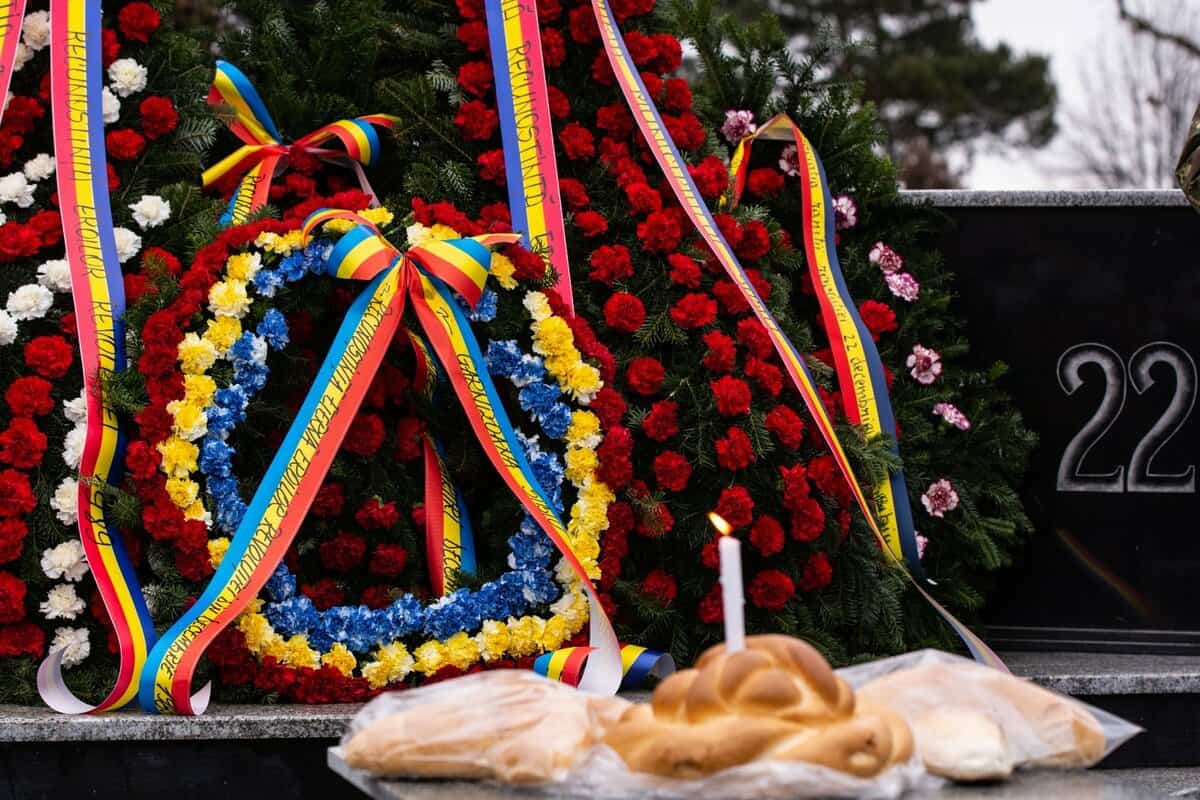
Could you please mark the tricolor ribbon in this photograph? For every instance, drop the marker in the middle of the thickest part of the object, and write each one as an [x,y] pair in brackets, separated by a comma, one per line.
[12,14]
[675,171]
[264,153]
[98,291]
[449,542]
[637,664]
[523,101]
[427,276]
[859,368]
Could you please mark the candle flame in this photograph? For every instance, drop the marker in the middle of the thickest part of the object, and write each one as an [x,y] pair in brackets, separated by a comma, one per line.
[718,522]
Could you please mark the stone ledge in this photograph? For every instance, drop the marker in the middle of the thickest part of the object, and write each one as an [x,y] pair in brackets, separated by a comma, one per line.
[1115,198]
[1090,674]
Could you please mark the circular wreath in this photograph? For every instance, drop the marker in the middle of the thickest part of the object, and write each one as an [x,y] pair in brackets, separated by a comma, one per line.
[222,419]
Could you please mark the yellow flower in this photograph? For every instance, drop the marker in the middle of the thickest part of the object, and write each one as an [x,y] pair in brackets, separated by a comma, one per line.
[441,231]
[190,422]
[255,629]
[430,657]
[584,430]
[585,547]
[178,457]
[524,634]
[197,511]
[217,549]
[503,270]
[274,646]
[222,332]
[182,491]
[571,608]
[199,389]
[229,297]
[392,663]
[581,464]
[555,634]
[537,305]
[584,382]
[297,653]
[196,355]
[340,658]
[243,266]
[380,216]
[492,640]
[462,650]
[417,234]
[282,245]
[338,226]
[552,337]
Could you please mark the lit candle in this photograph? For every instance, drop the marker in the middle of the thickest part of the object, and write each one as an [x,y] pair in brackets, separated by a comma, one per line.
[732,600]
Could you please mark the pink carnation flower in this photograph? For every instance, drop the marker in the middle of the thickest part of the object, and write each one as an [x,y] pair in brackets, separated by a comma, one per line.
[950,413]
[903,285]
[885,258]
[738,125]
[939,498]
[789,161]
[922,543]
[845,213]
[924,364]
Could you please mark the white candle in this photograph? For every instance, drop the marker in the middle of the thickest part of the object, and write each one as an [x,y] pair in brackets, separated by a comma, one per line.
[732,600]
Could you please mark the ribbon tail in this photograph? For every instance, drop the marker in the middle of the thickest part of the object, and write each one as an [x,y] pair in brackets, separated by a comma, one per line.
[253,192]
[10,37]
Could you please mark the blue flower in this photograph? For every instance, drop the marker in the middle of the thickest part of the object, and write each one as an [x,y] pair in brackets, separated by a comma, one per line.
[538,398]
[556,421]
[529,370]
[235,399]
[485,309]
[292,616]
[267,282]
[274,329]
[282,584]
[502,358]
[216,457]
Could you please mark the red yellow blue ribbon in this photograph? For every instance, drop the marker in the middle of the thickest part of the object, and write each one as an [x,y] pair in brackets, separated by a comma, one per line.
[12,14]
[98,291]
[637,664]
[264,153]
[675,171]
[859,368]
[534,196]
[425,275]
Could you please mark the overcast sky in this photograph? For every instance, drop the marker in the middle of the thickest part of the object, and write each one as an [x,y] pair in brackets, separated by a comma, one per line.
[1067,31]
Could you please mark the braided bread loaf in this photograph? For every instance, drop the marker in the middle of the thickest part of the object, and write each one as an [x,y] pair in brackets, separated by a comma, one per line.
[777,699]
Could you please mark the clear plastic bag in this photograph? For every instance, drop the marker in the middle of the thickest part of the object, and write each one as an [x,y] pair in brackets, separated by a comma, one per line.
[1041,728]
[513,726]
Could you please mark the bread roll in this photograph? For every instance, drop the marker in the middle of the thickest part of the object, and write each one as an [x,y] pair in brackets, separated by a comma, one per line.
[1041,728]
[962,745]
[509,725]
[777,699]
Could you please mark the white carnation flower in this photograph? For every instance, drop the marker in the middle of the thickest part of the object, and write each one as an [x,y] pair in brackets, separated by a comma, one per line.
[55,275]
[73,446]
[258,350]
[30,301]
[62,603]
[24,53]
[65,501]
[76,408]
[110,106]
[8,328]
[35,31]
[127,76]
[152,594]
[74,644]
[417,234]
[151,211]
[39,167]
[15,189]
[128,243]
[66,561]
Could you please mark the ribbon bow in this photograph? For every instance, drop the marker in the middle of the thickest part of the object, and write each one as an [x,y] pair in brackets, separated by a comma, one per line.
[265,154]
[427,277]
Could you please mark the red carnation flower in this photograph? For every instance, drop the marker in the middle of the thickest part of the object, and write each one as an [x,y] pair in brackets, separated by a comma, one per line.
[577,142]
[470,9]
[615,120]
[560,104]
[642,199]
[329,501]
[624,312]
[732,396]
[615,467]
[694,310]
[49,356]
[365,436]
[795,484]
[755,242]
[158,259]
[609,406]
[670,52]
[711,177]
[736,506]
[22,444]
[672,471]
[18,241]
[12,539]
[734,450]
[22,639]
[767,535]
[491,167]
[824,472]
[645,375]
[768,376]
[475,77]
[125,144]
[711,610]
[137,21]
[324,593]
[142,460]
[786,425]
[48,226]
[818,573]
[29,396]
[591,223]
[159,117]
[377,597]
[476,121]
[474,36]
[771,589]
[375,515]
[12,598]
[686,130]
[678,97]
[765,182]
[662,422]
[808,519]
[660,232]
[343,552]
[684,271]
[752,335]
[574,193]
[660,587]
[388,560]
[610,263]
[878,318]
[581,22]
[554,48]
[721,355]
[548,10]
[409,438]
